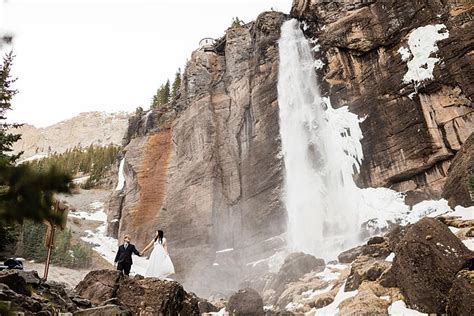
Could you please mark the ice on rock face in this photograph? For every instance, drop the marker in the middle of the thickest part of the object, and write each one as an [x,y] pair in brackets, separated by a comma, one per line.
[421,45]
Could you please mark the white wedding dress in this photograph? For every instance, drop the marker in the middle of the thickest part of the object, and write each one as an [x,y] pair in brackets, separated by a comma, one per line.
[160,265]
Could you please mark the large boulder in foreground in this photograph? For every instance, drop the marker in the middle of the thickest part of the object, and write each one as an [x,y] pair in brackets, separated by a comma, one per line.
[99,286]
[156,297]
[457,187]
[461,295]
[427,260]
[246,302]
[148,296]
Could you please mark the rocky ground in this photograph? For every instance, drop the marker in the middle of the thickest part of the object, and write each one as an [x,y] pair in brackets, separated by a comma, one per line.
[424,268]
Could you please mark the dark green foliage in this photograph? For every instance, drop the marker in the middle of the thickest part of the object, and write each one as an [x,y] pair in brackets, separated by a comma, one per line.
[162,95]
[6,95]
[94,160]
[9,234]
[65,253]
[236,22]
[176,84]
[24,192]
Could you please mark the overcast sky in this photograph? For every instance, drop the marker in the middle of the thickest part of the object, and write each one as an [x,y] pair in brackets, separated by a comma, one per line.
[104,55]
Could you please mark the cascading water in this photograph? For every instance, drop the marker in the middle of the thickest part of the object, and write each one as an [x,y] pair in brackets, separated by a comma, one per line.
[321,150]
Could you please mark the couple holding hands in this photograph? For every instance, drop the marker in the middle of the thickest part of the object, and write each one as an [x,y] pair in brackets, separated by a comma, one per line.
[159,265]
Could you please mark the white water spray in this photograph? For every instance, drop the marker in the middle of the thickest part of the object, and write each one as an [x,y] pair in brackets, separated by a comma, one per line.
[321,150]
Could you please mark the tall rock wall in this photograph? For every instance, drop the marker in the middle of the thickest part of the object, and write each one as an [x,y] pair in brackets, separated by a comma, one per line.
[206,168]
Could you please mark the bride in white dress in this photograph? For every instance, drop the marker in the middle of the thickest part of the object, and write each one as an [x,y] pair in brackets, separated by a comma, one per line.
[160,265]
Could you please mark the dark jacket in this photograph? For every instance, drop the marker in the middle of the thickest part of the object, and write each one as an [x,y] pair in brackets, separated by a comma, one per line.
[125,255]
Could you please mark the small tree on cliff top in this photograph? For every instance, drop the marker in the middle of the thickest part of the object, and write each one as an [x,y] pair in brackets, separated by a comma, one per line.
[162,95]
[176,84]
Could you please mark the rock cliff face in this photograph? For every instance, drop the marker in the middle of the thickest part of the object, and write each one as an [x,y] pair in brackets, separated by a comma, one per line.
[412,128]
[207,167]
[89,128]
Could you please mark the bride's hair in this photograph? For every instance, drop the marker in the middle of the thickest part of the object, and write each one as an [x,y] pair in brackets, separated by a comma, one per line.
[160,236]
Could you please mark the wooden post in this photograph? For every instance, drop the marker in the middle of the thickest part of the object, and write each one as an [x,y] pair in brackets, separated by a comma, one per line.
[50,241]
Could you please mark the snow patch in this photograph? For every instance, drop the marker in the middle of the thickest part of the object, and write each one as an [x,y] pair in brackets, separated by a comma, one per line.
[469,243]
[399,308]
[328,275]
[32,158]
[422,43]
[225,250]
[318,64]
[95,216]
[464,213]
[333,308]
[390,257]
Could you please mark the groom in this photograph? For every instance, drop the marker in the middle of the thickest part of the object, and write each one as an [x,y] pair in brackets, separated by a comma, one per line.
[123,259]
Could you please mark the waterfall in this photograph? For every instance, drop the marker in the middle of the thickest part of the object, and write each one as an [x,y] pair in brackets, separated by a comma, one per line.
[121,176]
[321,151]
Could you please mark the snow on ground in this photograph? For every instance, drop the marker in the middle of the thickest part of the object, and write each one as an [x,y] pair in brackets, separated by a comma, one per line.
[469,243]
[328,275]
[390,257]
[32,158]
[465,213]
[333,308]
[428,208]
[95,216]
[81,180]
[311,294]
[454,230]
[104,245]
[421,45]
[400,308]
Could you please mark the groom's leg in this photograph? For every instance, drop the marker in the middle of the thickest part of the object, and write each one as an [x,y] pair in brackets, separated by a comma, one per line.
[126,268]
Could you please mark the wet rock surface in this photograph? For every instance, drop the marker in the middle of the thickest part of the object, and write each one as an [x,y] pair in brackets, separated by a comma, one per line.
[427,260]
[459,187]
[461,295]
[246,302]
[138,294]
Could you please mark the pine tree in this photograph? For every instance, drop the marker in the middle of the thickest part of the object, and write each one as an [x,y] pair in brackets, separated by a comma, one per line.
[176,84]
[6,95]
[162,95]
[24,193]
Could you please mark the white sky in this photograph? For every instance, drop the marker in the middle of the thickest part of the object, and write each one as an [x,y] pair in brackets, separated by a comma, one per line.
[104,55]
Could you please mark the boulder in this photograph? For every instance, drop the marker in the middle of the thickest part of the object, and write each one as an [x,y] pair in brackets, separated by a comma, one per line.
[375,240]
[395,235]
[15,282]
[156,297]
[246,302]
[458,189]
[427,260]
[99,285]
[461,295]
[365,268]
[31,277]
[349,255]
[295,266]
[103,310]
[207,307]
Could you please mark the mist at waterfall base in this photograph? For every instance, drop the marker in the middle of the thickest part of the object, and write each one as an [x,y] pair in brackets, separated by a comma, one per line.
[321,150]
